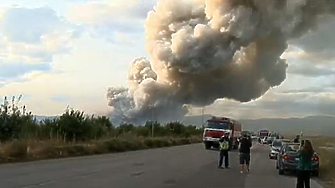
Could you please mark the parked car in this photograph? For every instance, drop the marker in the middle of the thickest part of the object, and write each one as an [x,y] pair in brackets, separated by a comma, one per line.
[275,148]
[263,141]
[285,141]
[287,159]
[269,140]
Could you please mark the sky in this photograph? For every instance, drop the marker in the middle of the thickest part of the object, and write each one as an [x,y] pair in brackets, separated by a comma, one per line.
[68,53]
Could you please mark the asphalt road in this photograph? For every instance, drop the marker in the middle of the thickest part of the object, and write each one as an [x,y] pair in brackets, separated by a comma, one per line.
[184,166]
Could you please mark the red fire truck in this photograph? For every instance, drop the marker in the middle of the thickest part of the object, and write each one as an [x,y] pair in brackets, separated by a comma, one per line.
[216,127]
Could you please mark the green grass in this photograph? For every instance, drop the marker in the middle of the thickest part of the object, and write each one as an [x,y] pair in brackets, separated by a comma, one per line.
[23,150]
[323,146]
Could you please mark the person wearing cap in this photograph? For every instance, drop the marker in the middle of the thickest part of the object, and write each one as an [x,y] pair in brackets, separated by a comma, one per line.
[224,148]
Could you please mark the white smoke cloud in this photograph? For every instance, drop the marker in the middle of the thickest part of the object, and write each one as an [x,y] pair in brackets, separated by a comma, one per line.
[201,51]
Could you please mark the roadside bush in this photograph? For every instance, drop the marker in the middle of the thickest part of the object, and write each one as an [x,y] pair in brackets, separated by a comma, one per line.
[99,147]
[13,119]
[75,150]
[74,126]
[2,156]
[149,142]
[18,149]
[157,143]
[142,131]
[185,141]
[116,145]
[49,152]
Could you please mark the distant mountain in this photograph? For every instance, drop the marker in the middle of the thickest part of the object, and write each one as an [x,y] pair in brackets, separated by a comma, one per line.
[41,118]
[195,120]
[310,125]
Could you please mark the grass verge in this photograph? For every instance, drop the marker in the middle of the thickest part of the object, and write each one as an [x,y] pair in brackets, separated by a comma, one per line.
[22,150]
[325,147]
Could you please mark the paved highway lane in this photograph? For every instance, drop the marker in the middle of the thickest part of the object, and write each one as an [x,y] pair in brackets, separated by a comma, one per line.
[184,166]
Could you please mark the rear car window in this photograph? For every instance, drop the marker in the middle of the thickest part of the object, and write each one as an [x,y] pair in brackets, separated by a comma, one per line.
[292,148]
[277,144]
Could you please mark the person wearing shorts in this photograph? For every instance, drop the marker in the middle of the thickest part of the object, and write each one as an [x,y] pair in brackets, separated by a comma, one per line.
[244,150]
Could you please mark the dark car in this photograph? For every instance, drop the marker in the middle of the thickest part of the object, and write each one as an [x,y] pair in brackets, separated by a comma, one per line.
[287,159]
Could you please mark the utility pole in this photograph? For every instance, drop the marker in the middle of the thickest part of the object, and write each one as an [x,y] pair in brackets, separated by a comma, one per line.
[152,121]
[202,116]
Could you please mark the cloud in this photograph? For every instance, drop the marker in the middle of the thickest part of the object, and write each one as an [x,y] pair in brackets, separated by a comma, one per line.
[28,25]
[108,12]
[80,79]
[29,40]
[306,90]
[275,105]
[308,64]
[320,43]
[318,46]
[10,71]
[302,104]
[60,98]
[313,55]
[311,70]
[109,19]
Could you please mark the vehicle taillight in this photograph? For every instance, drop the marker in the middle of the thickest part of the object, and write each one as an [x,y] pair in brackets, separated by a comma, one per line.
[315,159]
[286,158]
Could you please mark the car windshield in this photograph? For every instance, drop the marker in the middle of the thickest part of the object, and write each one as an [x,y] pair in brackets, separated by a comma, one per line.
[277,144]
[263,134]
[292,148]
[217,125]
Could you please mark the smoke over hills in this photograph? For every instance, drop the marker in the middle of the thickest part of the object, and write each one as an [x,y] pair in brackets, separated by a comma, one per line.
[203,50]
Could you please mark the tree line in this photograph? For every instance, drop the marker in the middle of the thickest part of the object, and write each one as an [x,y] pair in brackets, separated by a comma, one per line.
[16,122]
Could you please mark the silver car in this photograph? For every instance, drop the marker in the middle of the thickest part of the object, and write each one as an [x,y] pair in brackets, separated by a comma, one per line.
[275,148]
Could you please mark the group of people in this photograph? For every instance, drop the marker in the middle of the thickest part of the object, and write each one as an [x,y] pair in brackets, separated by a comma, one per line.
[245,143]
[304,168]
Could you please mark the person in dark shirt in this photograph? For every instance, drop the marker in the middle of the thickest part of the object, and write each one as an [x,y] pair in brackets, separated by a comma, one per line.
[296,139]
[244,150]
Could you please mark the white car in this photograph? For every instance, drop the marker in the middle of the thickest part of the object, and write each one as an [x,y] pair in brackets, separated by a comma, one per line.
[275,148]
[263,141]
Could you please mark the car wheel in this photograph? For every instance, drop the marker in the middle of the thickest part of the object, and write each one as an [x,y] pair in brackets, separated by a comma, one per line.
[208,145]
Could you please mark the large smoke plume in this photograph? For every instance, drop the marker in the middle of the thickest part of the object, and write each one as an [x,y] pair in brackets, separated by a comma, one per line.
[203,50]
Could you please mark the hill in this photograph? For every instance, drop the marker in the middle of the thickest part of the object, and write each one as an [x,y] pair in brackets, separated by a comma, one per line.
[310,125]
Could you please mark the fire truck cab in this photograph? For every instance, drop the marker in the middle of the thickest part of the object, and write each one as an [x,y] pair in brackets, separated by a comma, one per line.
[216,127]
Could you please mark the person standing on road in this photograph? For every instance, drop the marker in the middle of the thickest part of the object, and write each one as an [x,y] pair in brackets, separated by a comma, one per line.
[305,165]
[224,147]
[244,150]
[296,139]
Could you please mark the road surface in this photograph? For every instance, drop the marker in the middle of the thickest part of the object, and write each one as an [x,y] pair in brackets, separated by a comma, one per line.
[183,166]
